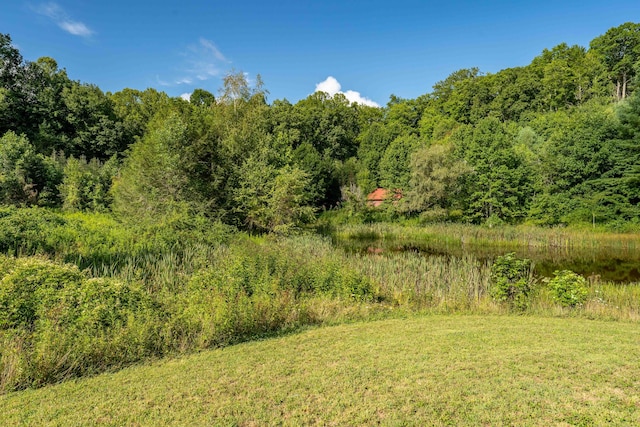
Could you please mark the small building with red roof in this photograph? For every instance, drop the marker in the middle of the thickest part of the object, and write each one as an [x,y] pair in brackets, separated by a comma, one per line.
[379,195]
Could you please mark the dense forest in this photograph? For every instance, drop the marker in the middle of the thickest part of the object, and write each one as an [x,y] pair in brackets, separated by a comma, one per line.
[555,142]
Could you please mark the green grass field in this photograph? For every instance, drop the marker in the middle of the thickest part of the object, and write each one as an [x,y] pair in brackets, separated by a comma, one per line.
[428,370]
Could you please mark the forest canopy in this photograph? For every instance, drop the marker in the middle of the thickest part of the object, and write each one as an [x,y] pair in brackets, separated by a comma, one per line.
[551,143]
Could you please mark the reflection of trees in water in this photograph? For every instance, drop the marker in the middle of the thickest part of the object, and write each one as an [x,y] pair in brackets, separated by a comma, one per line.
[605,264]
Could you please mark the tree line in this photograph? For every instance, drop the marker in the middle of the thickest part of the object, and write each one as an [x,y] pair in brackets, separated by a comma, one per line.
[554,142]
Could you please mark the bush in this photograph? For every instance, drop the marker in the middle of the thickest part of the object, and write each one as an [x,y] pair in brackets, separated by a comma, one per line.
[569,288]
[511,281]
[28,231]
[30,287]
[272,265]
[57,323]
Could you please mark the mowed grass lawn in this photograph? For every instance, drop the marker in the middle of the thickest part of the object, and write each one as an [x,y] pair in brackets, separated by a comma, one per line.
[430,370]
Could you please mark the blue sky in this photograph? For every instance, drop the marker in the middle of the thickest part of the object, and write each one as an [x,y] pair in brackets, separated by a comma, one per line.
[371,49]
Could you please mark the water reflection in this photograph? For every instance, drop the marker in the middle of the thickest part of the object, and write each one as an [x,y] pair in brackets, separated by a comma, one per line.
[606,264]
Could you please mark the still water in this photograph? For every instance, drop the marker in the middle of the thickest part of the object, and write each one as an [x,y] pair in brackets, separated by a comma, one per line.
[605,264]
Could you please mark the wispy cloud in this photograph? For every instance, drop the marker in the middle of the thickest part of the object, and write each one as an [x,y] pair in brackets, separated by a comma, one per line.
[209,46]
[54,12]
[162,82]
[202,61]
[332,86]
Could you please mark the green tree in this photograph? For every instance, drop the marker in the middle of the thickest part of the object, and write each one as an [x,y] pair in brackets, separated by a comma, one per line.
[373,143]
[569,76]
[95,130]
[135,109]
[151,185]
[26,177]
[19,88]
[619,50]
[271,199]
[395,171]
[435,178]
[501,186]
[202,98]
[627,159]
[329,124]
[322,183]
[87,185]
[517,92]
[51,127]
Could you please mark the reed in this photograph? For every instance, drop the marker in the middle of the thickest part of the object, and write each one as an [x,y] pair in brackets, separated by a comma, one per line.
[505,236]
[443,284]
[58,322]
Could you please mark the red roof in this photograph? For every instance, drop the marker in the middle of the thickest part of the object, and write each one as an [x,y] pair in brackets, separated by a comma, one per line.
[379,195]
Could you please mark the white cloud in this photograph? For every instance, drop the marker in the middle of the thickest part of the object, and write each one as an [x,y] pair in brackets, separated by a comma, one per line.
[186,96]
[207,44]
[54,12]
[202,62]
[76,28]
[332,86]
[162,82]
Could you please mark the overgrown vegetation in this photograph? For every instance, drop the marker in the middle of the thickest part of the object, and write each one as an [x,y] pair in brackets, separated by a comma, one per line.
[569,288]
[149,293]
[82,293]
[134,225]
[512,281]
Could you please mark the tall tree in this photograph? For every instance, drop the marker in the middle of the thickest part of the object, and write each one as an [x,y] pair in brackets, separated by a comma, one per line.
[202,98]
[151,185]
[26,177]
[619,49]
[19,83]
[95,131]
[395,171]
[628,158]
[135,109]
[501,185]
[435,178]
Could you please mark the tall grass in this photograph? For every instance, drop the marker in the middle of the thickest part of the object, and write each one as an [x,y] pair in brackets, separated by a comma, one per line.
[439,284]
[84,293]
[435,283]
[506,236]
[60,322]
[98,241]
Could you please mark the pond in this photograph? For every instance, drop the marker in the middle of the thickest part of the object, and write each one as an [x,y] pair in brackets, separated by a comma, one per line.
[605,264]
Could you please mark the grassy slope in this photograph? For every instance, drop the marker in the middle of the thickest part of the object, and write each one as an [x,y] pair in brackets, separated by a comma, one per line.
[434,370]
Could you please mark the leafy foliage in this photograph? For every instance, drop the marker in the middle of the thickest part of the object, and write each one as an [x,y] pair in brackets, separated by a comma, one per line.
[542,143]
[151,184]
[30,288]
[569,288]
[435,176]
[26,177]
[511,281]
[87,185]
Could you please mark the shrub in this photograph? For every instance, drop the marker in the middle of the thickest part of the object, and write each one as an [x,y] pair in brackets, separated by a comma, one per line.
[30,287]
[86,184]
[272,265]
[511,281]
[28,231]
[569,288]
[56,323]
